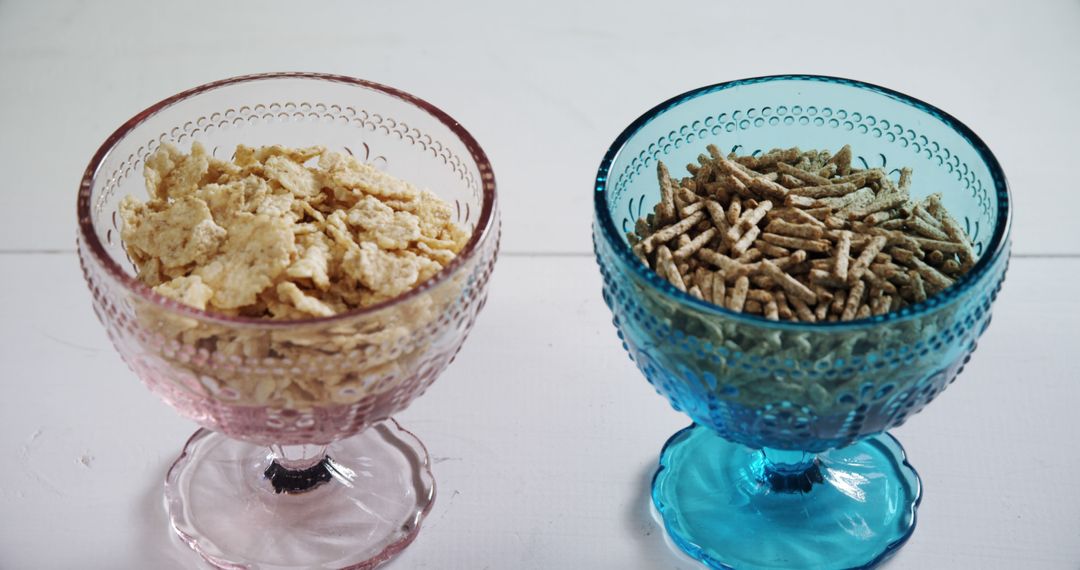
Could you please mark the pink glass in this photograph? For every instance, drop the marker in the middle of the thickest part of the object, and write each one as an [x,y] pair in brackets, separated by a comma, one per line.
[299,464]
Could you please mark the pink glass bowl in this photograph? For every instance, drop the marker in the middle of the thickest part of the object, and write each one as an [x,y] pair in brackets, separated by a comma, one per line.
[310,396]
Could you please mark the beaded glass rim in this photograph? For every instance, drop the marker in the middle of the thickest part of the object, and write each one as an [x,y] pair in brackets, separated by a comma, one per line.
[484,224]
[998,243]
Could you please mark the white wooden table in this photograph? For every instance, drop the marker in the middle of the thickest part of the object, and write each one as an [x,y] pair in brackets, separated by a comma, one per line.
[543,434]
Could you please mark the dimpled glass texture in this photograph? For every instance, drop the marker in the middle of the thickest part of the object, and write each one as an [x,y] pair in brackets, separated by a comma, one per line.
[352,486]
[787,464]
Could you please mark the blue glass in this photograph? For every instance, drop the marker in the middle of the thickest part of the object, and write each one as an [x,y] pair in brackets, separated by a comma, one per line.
[787,464]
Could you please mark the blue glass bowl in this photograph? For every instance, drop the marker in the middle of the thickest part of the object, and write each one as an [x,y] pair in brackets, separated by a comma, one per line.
[787,464]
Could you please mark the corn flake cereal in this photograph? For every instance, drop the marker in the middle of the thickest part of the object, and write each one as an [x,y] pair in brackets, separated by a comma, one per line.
[267,235]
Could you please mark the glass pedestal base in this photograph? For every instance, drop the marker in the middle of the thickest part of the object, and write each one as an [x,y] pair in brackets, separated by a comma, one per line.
[728,506]
[226,499]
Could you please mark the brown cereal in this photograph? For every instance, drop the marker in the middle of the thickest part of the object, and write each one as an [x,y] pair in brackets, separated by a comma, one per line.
[829,250]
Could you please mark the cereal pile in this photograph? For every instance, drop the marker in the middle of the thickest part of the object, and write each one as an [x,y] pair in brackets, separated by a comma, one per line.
[283,233]
[800,236]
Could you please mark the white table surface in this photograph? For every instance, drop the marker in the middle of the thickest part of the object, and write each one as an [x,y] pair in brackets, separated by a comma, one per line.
[543,433]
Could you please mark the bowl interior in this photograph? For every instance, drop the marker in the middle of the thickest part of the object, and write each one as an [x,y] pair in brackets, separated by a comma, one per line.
[885,129]
[395,132]
[793,385]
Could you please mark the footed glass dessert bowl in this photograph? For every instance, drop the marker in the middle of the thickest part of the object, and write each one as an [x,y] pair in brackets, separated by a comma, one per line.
[787,463]
[298,464]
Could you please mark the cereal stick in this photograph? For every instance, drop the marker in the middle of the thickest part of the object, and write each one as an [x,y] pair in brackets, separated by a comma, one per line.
[854,299]
[753,307]
[893,224]
[802,310]
[818,213]
[825,278]
[759,295]
[737,298]
[917,287]
[800,174]
[666,208]
[680,202]
[670,271]
[682,240]
[639,252]
[695,292]
[807,231]
[902,255]
[665,234]
[737,186]
[771,250]
[935,258]
[893,237]
[719,289]
[796,201]
[703,279]
[930,275]
[749,256]
[951,266]
[768,188]
[905,180]
[782,307]
[734,210]
[802,216]
[883,305]
[817,245]
[687,196]
[823,294]
[858,198]
[920,226]
[688,210]
[835,222]
[935,245]
[748,220]
[719,217]
[790,182]
[754,216]
[822,310]
[799,268]
[841,256]
[694,245]
[728,266]
[842,160]
[769,159]
[861,177]
[864,312]
[860,211]
[880,217]
[744,242]
[791,260]
[826,190]
[967,254]
[924,215]
[865,258]
[827,171]
[791,286]
[838,302]
[772,311]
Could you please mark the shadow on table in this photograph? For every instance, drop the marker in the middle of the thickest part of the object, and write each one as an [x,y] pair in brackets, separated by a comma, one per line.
[657,550]
[642,521]
[157,545]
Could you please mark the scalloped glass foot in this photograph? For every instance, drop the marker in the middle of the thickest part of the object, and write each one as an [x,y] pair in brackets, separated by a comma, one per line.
[223,506]
[723,504]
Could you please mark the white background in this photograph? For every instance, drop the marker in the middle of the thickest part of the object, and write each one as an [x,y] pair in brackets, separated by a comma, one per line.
[543,433]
